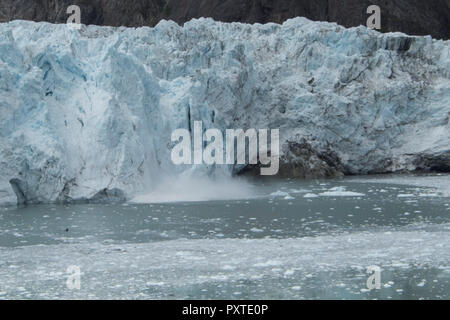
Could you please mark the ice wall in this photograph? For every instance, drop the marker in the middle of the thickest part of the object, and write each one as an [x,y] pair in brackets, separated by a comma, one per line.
[88,114]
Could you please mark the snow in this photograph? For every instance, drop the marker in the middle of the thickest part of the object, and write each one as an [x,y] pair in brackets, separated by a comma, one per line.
[89,113]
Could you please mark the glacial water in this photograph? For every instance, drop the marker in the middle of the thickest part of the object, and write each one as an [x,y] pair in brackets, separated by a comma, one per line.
[290,240]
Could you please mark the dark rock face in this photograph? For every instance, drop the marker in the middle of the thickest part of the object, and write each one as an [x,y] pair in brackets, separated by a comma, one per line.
[415,17]
[300,160]
[109,196]
[436,163]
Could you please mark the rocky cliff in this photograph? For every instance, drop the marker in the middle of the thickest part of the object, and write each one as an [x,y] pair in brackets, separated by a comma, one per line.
[415,17]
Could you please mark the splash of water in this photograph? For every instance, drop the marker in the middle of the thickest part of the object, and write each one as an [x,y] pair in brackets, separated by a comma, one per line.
[195,189]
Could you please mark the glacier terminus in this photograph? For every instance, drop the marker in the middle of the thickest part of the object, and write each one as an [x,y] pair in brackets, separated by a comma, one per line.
[87,115]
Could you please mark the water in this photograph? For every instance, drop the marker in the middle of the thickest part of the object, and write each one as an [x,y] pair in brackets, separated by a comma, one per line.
[291,240]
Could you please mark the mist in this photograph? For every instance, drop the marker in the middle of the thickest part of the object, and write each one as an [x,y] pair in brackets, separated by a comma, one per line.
[196,189]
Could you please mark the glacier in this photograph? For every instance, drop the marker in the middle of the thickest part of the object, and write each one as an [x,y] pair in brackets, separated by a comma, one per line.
[87,115]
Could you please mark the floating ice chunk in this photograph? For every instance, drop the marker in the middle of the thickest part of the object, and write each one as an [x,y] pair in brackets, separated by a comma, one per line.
[283,194]
[299,190]
[289,272]
[342,189]
[341,194]
[310,195]
[279,193]
[425,195]
[421,283]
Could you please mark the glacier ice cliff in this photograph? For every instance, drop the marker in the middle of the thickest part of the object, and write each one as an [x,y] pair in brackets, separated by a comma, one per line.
[88,114]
